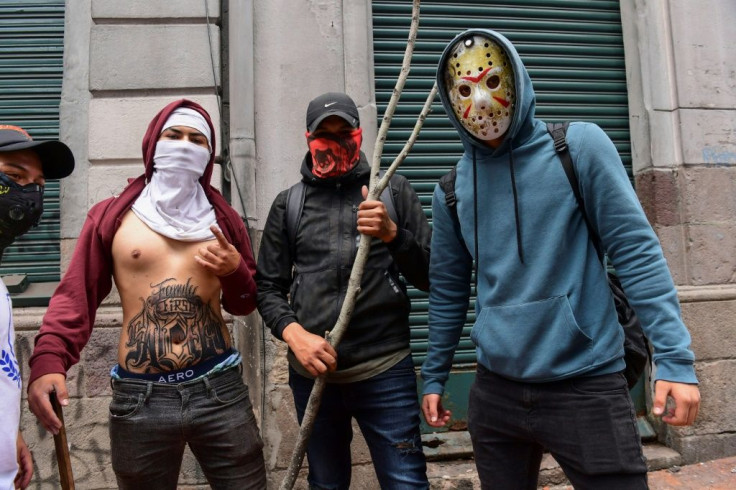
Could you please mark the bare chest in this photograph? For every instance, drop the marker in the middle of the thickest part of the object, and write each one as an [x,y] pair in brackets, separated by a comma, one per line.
[136,247]
[171,304]
[143,259]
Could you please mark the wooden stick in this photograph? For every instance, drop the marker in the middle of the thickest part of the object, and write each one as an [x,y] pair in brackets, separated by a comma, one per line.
[410,142]
[62,449]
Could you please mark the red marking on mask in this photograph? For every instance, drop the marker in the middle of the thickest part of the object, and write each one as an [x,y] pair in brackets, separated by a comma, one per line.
[477,79]
[467,111]
[501,101]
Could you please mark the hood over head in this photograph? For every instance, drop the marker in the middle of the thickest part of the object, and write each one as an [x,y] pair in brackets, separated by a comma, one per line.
[158,124]
[521,125]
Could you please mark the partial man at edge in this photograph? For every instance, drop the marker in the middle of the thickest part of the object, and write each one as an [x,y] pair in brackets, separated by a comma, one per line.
[24,167]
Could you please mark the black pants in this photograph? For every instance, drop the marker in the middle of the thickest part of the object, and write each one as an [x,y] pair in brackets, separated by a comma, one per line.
[588,424]
[150,423]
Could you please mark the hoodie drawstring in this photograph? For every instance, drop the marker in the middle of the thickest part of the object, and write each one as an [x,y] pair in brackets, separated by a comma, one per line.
[517,217]
[519,248]
[475,218]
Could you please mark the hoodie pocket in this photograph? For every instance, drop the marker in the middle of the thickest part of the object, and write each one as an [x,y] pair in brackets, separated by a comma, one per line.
[535,341]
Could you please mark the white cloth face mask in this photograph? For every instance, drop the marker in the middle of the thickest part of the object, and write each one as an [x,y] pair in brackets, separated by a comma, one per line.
[173,203]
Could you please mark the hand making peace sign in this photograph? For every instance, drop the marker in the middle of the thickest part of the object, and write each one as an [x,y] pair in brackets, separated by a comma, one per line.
[220,258]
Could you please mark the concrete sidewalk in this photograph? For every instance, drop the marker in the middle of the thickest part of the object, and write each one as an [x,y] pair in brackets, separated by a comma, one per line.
[664,464]
[713,475]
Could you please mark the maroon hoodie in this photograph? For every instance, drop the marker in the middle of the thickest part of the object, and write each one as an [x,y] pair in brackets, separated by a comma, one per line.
[70,317]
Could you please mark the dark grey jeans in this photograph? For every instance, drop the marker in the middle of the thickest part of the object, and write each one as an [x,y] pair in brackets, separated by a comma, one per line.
[150,423]
[587,424]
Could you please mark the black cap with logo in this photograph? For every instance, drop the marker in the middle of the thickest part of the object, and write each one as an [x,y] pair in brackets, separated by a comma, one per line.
[331,104]
[56,158]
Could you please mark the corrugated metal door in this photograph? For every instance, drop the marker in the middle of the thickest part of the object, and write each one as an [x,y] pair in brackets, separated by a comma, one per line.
[573,50]
[31,56]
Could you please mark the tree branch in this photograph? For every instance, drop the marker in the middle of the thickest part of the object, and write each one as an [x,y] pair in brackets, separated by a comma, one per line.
[410,142]
[373,191]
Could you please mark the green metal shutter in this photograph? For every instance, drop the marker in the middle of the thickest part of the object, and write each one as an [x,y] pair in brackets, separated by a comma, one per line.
[573,50]
[31,58]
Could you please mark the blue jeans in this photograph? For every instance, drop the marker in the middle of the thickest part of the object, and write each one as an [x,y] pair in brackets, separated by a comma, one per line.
[150,423]
[587,424]
[386,408]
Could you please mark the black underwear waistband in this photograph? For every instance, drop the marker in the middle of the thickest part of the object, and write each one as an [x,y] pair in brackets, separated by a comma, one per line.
[178,375]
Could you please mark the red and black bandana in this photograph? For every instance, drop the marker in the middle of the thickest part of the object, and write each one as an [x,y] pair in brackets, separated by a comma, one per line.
[334,154]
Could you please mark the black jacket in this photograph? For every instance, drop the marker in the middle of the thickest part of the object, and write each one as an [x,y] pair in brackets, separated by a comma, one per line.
[309,288]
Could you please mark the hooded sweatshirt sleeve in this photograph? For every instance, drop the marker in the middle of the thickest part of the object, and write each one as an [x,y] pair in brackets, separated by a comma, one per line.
[634,250]
[273,275]
[239,287]
[67,324]
[449,277]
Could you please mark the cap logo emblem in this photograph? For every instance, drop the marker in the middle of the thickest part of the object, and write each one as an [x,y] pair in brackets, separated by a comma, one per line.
[330,104]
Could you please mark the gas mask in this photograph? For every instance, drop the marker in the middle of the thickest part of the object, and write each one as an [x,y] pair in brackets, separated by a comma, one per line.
[20,209]
[480,82]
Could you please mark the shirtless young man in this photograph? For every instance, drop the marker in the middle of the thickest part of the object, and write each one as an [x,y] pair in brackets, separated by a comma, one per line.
[173,246]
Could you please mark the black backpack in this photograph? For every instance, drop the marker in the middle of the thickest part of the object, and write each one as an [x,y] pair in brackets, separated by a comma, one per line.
[295,204]
[636,347]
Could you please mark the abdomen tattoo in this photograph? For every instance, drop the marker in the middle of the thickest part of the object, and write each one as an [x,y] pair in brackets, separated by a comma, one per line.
[175,329]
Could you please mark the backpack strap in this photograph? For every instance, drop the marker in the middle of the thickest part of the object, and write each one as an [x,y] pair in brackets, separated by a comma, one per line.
[636,346]
[387,197]
[295,206]
[447,184]
[558,131]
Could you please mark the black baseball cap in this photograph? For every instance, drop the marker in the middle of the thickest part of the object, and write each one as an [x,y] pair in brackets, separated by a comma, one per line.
[331,104]
[57,160]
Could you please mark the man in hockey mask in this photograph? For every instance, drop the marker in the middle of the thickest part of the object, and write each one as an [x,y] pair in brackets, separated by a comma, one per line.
[178,253]
[549,347]
[24,167]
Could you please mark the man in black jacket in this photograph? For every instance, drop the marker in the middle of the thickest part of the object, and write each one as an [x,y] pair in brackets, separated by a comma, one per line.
[302,278]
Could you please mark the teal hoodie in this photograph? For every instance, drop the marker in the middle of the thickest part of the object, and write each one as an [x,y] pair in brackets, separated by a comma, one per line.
[544,311]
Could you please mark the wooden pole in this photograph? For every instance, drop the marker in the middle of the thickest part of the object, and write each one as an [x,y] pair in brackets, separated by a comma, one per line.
[63,458]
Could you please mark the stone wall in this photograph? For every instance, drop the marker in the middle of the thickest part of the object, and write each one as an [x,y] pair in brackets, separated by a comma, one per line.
[682,101]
